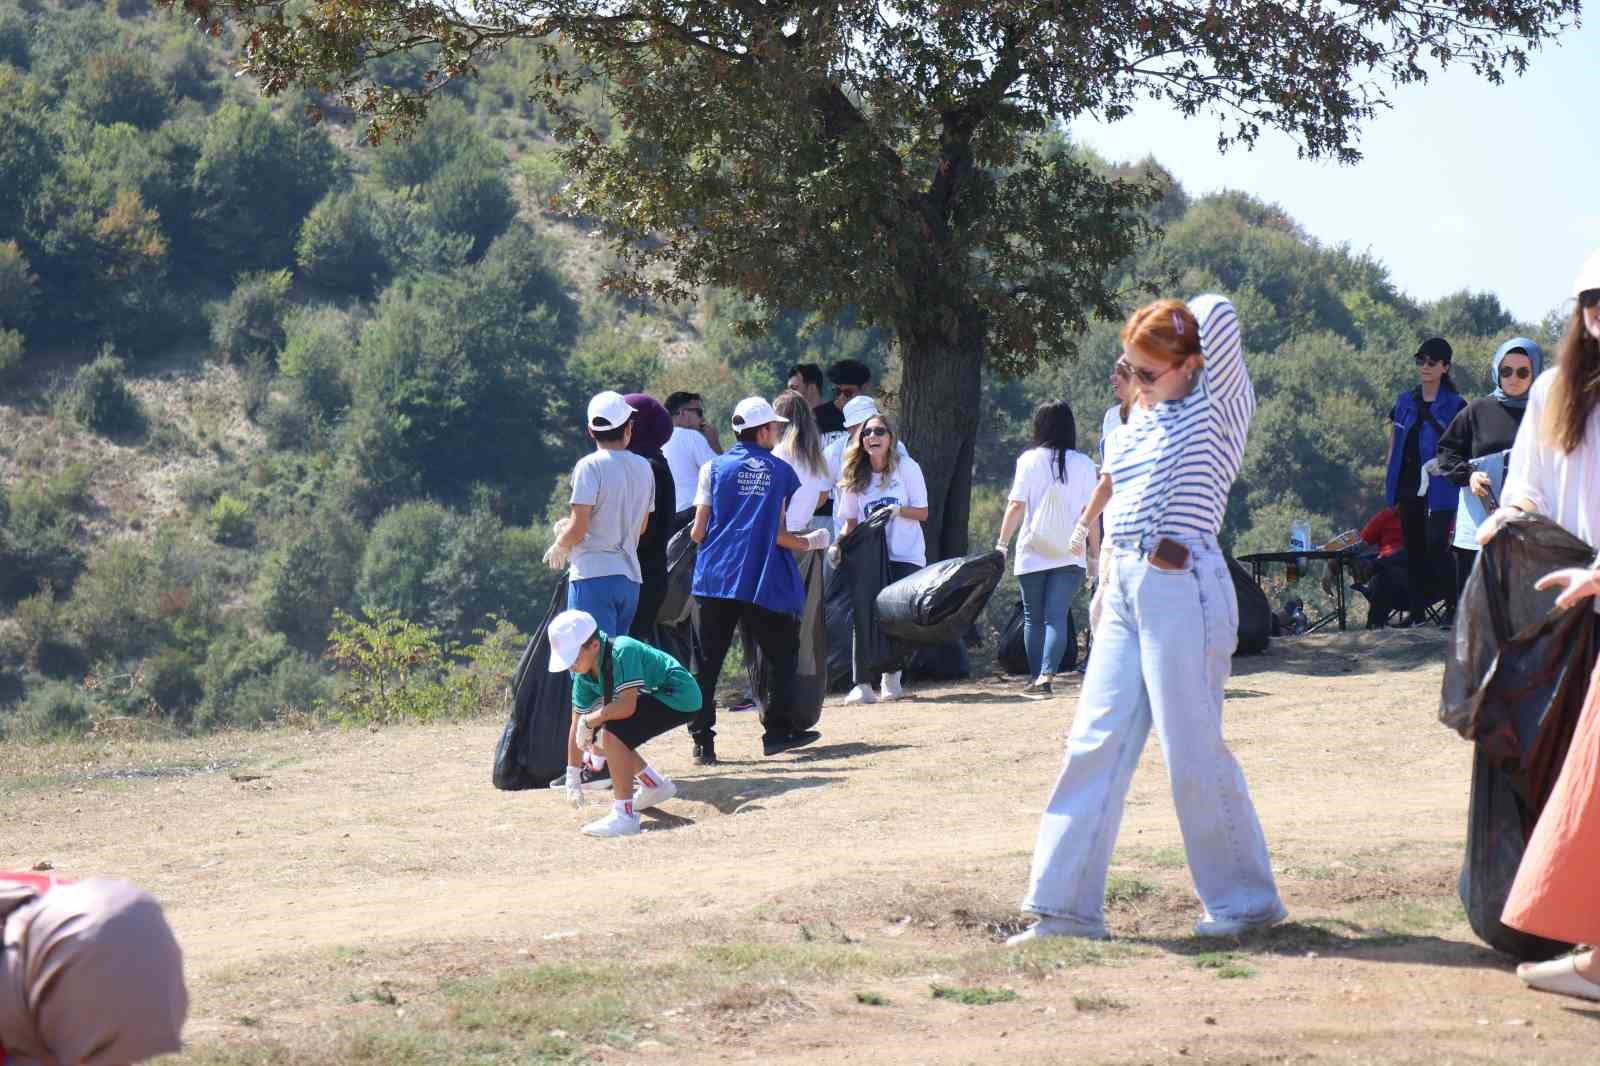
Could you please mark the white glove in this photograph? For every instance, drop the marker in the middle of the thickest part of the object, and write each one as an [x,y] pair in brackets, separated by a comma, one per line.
[818,540]
[835,557]
[893,509]
[1577,584]
[1094,568]
[575,786]
[1496,522]
[585,735]
[556,556]
[1003,548]
[1079,541]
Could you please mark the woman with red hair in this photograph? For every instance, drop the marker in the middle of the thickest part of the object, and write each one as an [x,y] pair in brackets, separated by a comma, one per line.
[1164,643]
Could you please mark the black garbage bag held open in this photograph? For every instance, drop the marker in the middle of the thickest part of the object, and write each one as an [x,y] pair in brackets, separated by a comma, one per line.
[532,750]
[856,644]
[802,708]
[675,621]
[1515,683]
[1255,611]
[939,603]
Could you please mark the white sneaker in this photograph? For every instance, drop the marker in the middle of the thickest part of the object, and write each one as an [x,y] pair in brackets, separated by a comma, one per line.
[1209,925]
[889,687]
[614,824]
[644,797]
[862,694]
[1054,927]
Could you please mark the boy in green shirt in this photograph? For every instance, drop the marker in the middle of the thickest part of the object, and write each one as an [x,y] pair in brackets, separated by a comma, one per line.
[624,693]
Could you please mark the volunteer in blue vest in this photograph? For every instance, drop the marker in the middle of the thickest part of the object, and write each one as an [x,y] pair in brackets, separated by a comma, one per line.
[744,574]
[1427,513]
[624,693]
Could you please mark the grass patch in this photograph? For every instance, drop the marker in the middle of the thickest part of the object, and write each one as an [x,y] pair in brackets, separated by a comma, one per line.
[1123,890]
[1169,858]
[1226,964]
[872,999]
[974,995]
[1411,916]
[1097,1002]
[1037,958]
[794,962]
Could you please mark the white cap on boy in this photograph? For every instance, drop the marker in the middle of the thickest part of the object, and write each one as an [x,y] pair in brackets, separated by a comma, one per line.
[754,411]
[608,410]
[857,410]
[568,632]
[1588,277]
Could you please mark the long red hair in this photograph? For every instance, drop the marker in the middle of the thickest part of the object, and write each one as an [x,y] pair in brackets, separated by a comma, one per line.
[1164,330]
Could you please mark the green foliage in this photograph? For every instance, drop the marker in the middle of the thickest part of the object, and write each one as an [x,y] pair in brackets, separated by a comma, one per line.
[120,86]
[52,710]
[393,669]
[19,288]
[469,197]
[172,683]
[308,576]
[98,397]
[339,248]
[542,176]
[976,996]
[249,678]
[229,522]
[11,349]
[255,180]
[319,357]
[38,543]
[251,319]
[15,47]
[447,135]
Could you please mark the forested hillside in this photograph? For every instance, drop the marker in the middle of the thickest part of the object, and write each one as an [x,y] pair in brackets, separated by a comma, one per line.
[253,372]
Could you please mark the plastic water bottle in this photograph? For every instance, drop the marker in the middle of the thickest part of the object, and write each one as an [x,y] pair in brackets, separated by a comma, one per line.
[1299,540]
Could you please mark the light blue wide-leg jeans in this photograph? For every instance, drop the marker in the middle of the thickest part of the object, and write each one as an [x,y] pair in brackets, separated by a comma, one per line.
[1162,654]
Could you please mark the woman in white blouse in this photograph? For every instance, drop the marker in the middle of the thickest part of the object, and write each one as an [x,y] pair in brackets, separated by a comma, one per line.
[801,448]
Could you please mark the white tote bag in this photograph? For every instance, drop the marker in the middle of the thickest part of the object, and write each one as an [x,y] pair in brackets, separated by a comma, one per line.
[1050,531]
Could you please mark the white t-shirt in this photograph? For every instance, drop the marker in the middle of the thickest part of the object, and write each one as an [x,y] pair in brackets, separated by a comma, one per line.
[1111,422]
[804,503]
[620,490]
[833,455]
[687,451]
[1035,472]
[905,487]
[1560,485]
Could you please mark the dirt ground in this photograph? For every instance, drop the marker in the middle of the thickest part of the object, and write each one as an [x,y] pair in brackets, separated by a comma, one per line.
[349,896]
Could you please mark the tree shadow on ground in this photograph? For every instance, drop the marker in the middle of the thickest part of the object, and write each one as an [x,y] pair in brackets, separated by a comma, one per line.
[657,821]
[1341,939]
[1355,652]
[731,794]
[823,752]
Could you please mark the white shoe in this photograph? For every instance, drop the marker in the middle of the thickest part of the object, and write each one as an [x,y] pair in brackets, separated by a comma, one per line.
[1053,927]
[1560,976]
[889,686]
[614,824]
[645,797]
[1209,926]
[862,694]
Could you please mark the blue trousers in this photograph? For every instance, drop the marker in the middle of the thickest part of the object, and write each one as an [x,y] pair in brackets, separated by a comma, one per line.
[1047,596]
[612,600]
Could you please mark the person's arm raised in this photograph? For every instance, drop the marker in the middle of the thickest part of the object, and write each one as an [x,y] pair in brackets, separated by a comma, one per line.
[1227,378]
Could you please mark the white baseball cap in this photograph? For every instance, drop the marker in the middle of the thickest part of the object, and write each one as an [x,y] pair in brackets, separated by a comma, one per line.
[754,411]
[608,410]
[858,409]
[1588,277]
[568,632]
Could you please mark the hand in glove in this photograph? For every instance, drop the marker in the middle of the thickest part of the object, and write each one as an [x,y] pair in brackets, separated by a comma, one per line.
[1577,584]
[1079,541]
[818,540]
[575,786]
[1003,548]
[835,557]
[585,734]
[557,555]
[1496,522]
[1094,567]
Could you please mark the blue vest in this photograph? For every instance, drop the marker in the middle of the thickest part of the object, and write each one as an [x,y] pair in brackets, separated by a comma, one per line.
[1442,494]
[740,558]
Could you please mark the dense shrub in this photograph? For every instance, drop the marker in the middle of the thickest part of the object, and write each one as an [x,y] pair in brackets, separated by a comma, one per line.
[339,247]
[14,43]
[121,86]
[111,609]
[319,354]
[470,197]
[404,547]
[542,176]
[393,669]
[305,580]
[52,710]
[98,397]
[445,135]
[38,544]
[251,319]
[229,521]
[11,348]
[172,683]
[19,288]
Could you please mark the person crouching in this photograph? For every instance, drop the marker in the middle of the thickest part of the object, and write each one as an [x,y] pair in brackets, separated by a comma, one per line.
[624,693]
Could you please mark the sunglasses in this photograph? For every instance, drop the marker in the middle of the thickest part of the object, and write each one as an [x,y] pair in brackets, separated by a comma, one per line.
[875,431]
[1521,372]
[1428,360]
[1150,377]
[1588,298]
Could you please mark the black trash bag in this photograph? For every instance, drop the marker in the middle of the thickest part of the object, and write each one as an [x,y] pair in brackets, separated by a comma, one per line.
[857,646]
[532,750]
[1255,612]
[1515,683]
[939,603]
[676,621]
[1013,653]
[937,662]
[803,708]
[1498,825]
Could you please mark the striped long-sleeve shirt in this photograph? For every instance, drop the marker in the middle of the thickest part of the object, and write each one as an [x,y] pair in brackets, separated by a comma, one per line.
[1176,461]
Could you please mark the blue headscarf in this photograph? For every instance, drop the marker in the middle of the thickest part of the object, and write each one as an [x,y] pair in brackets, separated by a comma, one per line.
[1535,356]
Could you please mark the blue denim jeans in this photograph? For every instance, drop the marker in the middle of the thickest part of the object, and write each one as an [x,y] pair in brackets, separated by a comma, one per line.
[612,600]
[1162,653]
[1047,596]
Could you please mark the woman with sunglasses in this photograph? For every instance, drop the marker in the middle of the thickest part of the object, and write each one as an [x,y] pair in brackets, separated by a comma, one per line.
[1472,452]
[1555,470]
[877,474]
[1427,510]
[1169,623]
[1116,415]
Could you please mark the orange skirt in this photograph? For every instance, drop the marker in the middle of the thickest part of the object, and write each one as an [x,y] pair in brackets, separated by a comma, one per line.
[1557,890]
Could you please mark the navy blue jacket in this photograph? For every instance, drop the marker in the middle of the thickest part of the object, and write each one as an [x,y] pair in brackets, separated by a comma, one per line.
[1407,411]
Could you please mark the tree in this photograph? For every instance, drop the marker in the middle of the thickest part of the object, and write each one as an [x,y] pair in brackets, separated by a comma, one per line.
[338,248]
[121,87]
[888,156]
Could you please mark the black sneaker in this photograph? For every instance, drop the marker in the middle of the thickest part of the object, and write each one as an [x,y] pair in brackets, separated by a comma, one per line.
[1038,688]
[705,752]
[592,780]
[772,745]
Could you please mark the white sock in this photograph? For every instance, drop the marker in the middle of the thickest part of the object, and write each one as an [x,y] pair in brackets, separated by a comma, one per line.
[650,777]
[623,808]
[596,762]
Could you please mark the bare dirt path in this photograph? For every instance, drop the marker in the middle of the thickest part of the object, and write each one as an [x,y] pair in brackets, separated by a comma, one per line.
[324,884]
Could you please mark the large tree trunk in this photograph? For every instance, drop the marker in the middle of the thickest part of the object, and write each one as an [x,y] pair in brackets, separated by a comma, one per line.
[940,393]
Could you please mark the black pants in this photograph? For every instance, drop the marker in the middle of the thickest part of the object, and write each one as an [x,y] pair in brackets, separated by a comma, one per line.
[1387,589]
[1430,568]
[1466,559]
[775,633]
[649,720]
[651,592]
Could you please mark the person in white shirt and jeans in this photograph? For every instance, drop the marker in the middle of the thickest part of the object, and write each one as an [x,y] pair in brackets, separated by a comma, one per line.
[1052,486]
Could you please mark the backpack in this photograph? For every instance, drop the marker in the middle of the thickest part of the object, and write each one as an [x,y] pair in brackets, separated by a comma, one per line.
[1049,533]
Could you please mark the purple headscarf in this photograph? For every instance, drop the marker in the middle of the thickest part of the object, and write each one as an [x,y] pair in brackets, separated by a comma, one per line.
[652,426]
